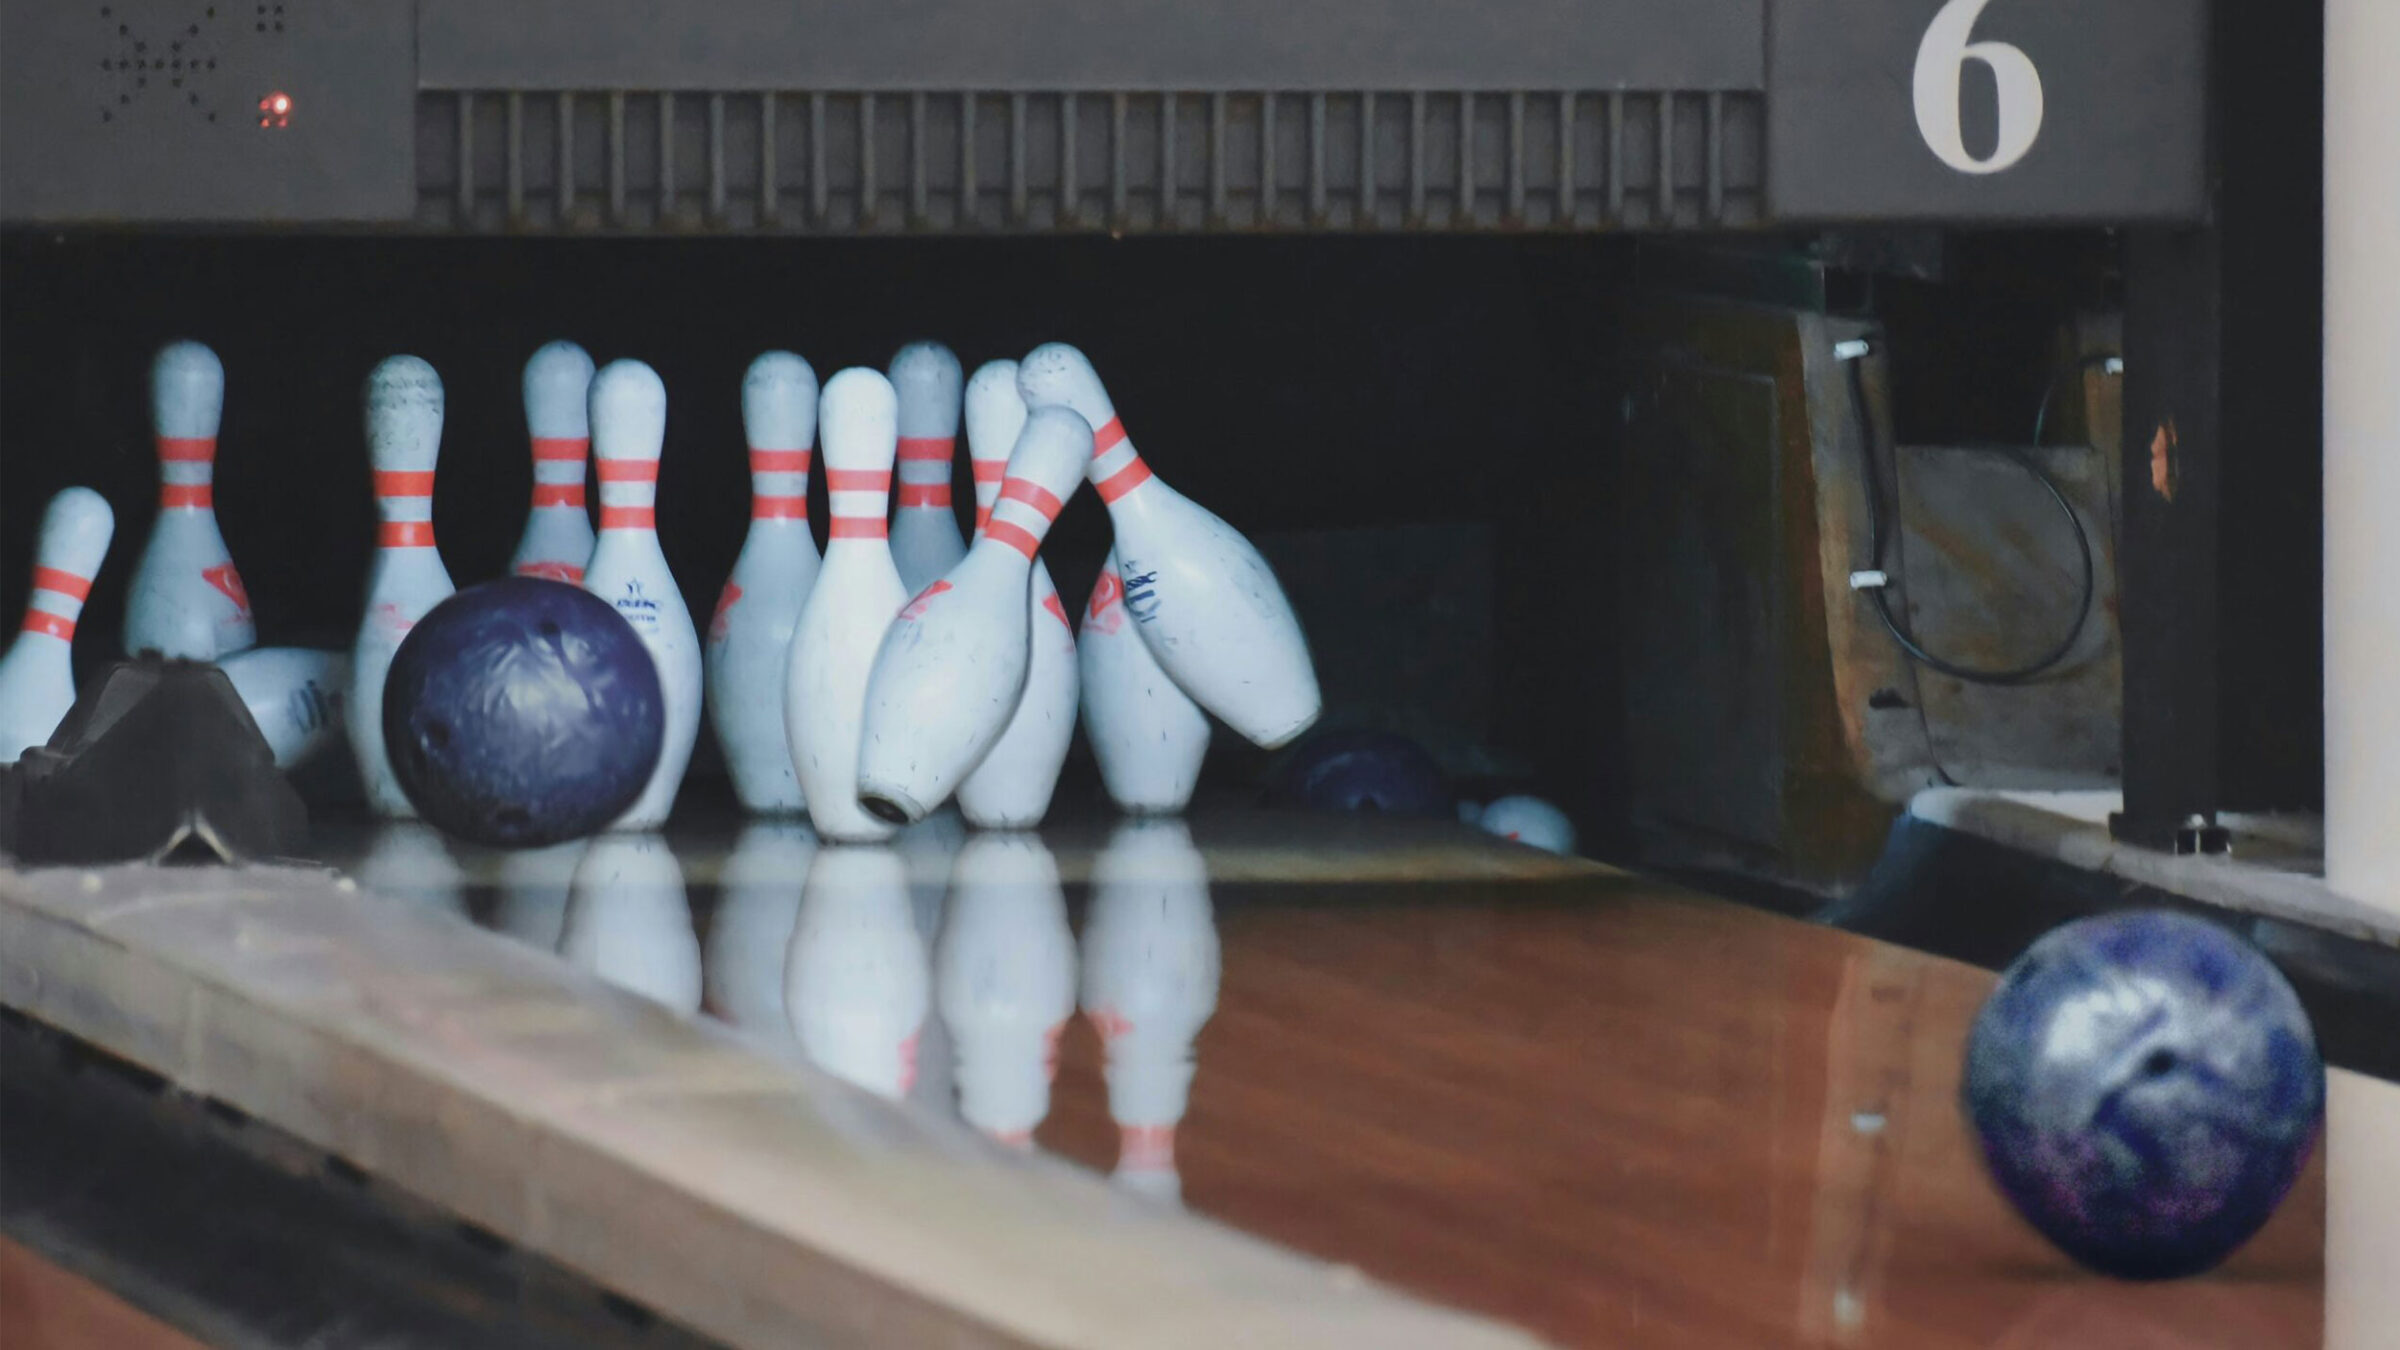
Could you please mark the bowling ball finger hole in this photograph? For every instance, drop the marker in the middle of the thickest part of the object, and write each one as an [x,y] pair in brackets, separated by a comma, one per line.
[2159,1063]
[437,735]
[550,630]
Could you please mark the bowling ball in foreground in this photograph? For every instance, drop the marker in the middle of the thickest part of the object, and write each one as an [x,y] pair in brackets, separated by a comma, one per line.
[1376,772]
[2146,1088]
[523,712]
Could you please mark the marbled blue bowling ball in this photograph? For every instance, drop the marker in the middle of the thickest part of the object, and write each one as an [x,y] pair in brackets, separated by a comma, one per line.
[1376,772]
[523,712]
[2146,1088]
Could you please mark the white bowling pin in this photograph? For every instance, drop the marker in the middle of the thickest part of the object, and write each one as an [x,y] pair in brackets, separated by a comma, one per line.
[410,862]
[842,622]
[533,888]
[855,982]
[37,677]
[925,540]
[952,666]
[295,694]
[404,437]
[751,635]
[186,598]
[1147,734]
[1150,974]
[629,920]
[558,532]
[1010,789]
[1004,980]
[750,931]
[1529,820]
[1202,598]
[629,428]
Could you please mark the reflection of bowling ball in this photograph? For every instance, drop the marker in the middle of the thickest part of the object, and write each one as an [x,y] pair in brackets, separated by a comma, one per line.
[2146,1087]
[523,712]
[1368,771]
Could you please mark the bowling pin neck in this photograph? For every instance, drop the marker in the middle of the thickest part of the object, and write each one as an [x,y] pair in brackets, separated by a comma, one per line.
[779,487]
[989,474]
[187,470]
[1116,468]
[859,498]
[56,603]
[924,463]
[558,472]
[628,495]
[404,501]
[1020,518]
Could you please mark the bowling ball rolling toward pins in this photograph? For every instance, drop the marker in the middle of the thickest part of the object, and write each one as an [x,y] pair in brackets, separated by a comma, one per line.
[2146,1088]
[523,712]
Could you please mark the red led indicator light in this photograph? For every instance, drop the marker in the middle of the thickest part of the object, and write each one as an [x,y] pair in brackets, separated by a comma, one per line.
[275,110]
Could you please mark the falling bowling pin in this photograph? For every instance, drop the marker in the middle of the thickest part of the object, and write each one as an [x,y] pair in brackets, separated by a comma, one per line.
[186,599]
[751,635]
[1011,788]
[841,625]
[1004,981]
[628,570]
[925,541]
[629,920]
[295,694]
[1200,595]
[404,437]
[37,677]
[856,983]
[1147,734]
[558,532]
[750,931]
[952,665]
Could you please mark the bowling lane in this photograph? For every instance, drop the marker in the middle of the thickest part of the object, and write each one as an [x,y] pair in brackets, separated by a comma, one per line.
[1605,1108]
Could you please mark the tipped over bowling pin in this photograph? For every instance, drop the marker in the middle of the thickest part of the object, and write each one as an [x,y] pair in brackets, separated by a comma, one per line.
[1004,980]
[751,635]
[629,920]
[404,438]
[186,598]
[558,533]
[952,666]
[842,623]
[1200,595]
[1529,820]
[1011,788]
[295,694]
[37,677]
[1147,734]
[856,983]
[925,541]
[629,428]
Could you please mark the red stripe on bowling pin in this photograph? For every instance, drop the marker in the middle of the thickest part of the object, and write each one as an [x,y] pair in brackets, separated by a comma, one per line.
[187,449]
[629,517]
[780,461]
[1116,485]
[405,534]
[63,583]
[561,449]
[43,621]
[925,494]
[927,448]
[559,494]
[186,496]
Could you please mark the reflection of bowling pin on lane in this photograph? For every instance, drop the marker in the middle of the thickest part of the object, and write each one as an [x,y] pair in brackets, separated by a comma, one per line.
[751,635]
[952,666]
[629,920]
[295,694]
[929,850]
[533,886]
[842,622]
[1004,978]
[925,542]
[855,982]
[1202,598]
[1011,788]
[1147,734]
[629,428]
[410,862]
[1150,969]
[558,532]
[750,932]
[404,437]
[186,598]
[37,677]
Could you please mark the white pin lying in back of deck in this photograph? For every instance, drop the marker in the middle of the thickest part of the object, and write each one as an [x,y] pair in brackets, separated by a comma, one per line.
[1004,979]
[404,438]
[856,982]
[925,539]
[37,677]
[1148,735]
[1529,820]
[629,428]
[295,694]
[751,635]
[629,920]
[952,666]
[186,598]
[1011,788]
[1200,595]
[558,531]
[858,591]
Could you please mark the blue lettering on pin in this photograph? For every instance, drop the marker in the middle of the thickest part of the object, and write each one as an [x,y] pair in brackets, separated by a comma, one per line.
[1141,594]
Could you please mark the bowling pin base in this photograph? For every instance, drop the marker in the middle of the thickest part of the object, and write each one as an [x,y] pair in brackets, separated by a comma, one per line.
[891,804]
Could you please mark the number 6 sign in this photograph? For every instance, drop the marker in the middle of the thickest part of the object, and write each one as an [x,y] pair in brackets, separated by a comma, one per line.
[1944,50]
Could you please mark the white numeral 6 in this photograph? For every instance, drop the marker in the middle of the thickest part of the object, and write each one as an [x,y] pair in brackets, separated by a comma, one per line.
[1944,50]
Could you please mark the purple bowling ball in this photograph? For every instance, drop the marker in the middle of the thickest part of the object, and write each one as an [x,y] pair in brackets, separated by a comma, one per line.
[2146,1088]
[523,712]
[1374,772]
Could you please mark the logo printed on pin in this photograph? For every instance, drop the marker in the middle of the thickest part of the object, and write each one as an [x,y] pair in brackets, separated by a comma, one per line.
[1141,599]
[916,607]
[726,601]
[1105,614]
[224,578]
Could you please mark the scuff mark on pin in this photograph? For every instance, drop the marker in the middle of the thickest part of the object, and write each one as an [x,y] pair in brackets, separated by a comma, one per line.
[2162,460]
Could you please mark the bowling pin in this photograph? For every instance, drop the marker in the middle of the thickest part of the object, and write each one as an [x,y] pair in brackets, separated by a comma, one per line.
[1147,734]
[629,428]
[37,677]
[842,623]
[750,932]
[951,668]
[1011,788]
[404,437]
[1150,974]
[1200,595]
[1529,820]
[629,920]
[186,599]
[295,694]
[558,532]
[856,982]
[1004,981]
[925,541]
[751,635]
[410,862]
